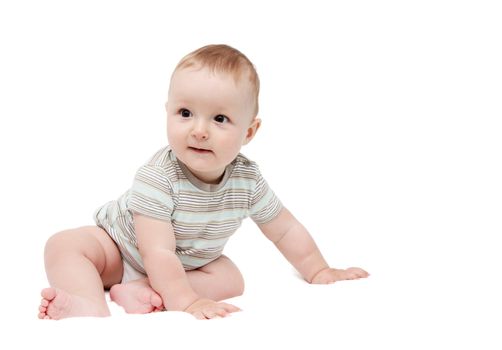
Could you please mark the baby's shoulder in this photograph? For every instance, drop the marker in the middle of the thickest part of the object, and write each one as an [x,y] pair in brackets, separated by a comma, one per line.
[163,163]
[162,158]
[241,159]
[243,164]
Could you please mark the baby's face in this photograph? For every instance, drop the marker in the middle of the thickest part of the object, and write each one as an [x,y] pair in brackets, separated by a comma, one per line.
[209,118]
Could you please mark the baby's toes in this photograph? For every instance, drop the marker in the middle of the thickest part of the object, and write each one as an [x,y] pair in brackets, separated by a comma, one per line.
[156,301]
[42,312]
[42,309]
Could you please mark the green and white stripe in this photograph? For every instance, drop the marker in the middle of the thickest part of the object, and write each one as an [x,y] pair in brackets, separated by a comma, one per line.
[203,216]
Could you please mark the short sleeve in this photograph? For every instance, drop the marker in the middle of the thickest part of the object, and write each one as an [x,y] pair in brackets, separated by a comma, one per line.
[265,205]
[151,193]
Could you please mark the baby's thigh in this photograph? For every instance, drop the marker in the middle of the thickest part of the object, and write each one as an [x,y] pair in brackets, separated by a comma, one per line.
[93,243]
[113,267]
[225,269]
[221,265]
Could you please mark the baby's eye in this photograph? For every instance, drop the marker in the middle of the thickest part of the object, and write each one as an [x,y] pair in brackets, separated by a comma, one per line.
[185,113]
[220,118]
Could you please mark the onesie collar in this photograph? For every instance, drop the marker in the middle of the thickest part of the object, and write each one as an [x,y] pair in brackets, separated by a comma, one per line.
[201,185]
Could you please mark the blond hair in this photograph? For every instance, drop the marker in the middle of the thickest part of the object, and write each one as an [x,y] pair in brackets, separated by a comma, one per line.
[224,59]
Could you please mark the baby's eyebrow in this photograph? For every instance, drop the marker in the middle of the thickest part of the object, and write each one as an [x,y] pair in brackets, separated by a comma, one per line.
[179,104]
[182,103]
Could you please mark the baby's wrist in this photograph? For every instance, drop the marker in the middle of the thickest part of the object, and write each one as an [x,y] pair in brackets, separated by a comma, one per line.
[312,279]
[180,303]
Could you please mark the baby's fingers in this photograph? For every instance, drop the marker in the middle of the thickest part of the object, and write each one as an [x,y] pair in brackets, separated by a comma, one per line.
[357,272]
[229,307]
[222,310]
[199,315]
[213,311]
[205,314]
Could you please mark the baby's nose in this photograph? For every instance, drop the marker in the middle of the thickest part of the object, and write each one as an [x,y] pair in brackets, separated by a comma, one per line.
[199,130]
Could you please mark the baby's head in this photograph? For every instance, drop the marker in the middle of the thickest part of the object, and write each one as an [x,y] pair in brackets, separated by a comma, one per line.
[211,109]
[224,59]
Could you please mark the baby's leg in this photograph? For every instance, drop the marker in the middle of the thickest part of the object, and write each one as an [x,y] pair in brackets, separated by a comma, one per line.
[218,280]
[79,263]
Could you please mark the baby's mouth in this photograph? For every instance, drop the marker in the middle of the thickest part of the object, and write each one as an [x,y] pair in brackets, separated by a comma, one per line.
[200,150]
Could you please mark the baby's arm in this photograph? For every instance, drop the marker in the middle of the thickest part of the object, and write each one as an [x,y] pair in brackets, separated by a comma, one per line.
[297,245]
[157,244]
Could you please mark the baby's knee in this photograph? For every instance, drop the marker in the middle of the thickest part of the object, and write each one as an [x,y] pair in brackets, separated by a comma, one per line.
[235,283]
[238,289]
[56,243]
[63,242]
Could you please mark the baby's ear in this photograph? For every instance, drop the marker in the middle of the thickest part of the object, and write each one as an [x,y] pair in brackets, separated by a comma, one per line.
[252,129]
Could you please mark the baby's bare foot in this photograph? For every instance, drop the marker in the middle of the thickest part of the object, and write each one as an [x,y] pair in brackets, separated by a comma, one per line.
[136,297]
[57,304]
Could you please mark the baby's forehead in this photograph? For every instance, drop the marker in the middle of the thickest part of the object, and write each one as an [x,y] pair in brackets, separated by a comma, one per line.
[239,77]
[185,76]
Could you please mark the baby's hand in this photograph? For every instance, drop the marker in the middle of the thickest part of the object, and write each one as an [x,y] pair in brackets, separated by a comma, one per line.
[330,275]
[204,309]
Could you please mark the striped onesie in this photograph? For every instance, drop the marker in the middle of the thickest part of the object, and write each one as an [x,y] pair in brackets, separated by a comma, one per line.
[203,216]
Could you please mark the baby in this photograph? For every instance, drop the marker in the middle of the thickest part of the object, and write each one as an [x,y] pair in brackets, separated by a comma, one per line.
[159,246]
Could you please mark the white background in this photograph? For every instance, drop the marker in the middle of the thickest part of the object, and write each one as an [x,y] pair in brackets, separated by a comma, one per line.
[381,133]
